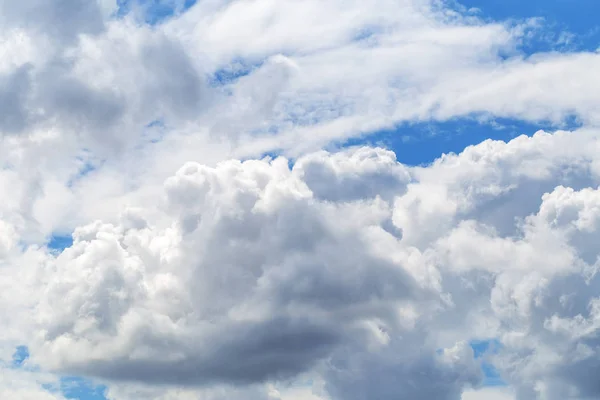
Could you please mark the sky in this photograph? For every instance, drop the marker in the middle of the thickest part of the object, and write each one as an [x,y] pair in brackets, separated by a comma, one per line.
[299,200]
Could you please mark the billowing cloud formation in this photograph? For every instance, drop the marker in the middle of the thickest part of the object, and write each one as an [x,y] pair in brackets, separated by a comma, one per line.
[104,88]
[326,275]
[253,272]
[245,264]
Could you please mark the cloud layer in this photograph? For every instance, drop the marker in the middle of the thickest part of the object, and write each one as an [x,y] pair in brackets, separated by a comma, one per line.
[253,272]
[202,269]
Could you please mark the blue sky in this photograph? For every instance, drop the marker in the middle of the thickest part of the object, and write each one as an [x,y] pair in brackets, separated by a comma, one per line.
[155,10]
[423,142]
[576,16]
[482,350]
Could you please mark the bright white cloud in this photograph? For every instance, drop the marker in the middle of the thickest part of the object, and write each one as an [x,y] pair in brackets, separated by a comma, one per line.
[222,279]
[488,394]
[24,383]
[239,257]
[96,85]
[251,272]
[25,386]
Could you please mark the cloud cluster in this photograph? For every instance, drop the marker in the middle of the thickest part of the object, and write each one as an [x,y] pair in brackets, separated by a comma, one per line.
[345,70]
[242,263]
[326,275]
[253,272]
[107,90]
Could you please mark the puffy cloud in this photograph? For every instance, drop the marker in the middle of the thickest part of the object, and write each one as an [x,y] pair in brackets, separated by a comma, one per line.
[523,244]
[20,385]
[258,271]
[488,394]
[246,275]
[233,279]
[95,83]
[364,173]
[17,379]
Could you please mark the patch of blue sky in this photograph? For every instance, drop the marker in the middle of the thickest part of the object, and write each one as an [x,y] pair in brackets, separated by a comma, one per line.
[73,387]
[369,35]
[272,155]
[154,11]
[567,24]
[482,349]
[233,71]
[154,132]
[85,169]
[423,142]
[59,242]
[87,166]
[157,123]
[19,357]
[76,388]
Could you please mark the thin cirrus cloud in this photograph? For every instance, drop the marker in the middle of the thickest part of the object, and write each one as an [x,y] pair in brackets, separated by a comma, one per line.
[333,272]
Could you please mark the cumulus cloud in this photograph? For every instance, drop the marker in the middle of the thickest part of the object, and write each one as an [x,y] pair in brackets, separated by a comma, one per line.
[99,80]
[323,275]
[249,263]
[254,272]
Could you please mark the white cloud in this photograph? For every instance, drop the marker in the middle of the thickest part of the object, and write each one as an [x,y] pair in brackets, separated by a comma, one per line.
[140,392]
[305,391]
[24,383]
[20,385]
[239,258]
[251,272]
[230,279]
[105,79]
[488,394]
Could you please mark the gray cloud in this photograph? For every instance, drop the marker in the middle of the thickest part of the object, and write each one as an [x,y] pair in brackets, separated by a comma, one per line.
[14,89]
[62,20]
[231,311]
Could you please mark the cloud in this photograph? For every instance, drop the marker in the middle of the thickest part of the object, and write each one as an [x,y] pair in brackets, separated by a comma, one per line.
[253,272]
[102,79]
[135,392]
[47,17]
[193,274]
[249,264]
[25,386]
[489,393]
[20,382]
[395,62]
